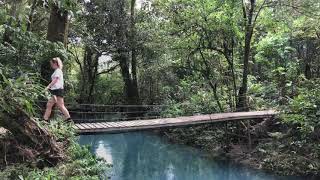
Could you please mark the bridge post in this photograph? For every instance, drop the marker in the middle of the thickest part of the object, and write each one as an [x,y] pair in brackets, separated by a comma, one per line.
[227,132]
[249,135]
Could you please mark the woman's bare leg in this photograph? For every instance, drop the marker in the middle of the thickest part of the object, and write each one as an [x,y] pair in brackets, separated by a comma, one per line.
[50,104]
[62,107]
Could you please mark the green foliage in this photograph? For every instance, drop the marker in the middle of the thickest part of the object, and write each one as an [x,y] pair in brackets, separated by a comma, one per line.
[212,138]
[21,91]
[189,99]
[4,15]
[114,94]
[289,156]
[194,36]
[262,95]
[14,14]
[274,47]
[28,52]
[62,130]
[303,110]
[82,165]
[68,5]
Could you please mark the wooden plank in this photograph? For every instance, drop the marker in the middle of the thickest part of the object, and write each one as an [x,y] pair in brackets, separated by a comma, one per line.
[123,123]
[90,125]
[85,126]
[96,125]
[137,123]
[131,123]
[101,125]
[170,122]
[78,126]
[107,124]
[115,124]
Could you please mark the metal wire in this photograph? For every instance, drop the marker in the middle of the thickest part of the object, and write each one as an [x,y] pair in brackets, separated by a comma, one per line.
[121,119]
[114,112]
[116,105]
[101,112]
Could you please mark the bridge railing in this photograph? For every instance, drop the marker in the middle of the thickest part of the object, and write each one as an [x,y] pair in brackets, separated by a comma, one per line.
[109,113]
[98,112]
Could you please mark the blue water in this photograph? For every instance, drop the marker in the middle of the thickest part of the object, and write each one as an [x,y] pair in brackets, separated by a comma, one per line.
[144,156]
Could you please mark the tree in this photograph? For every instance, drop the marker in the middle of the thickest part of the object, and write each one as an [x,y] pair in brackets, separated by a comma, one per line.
[250,18]
[133,45]
[91,26]
[206,40]
[34,4]
[89,73]
[14,13]
[58,25]
[122,54]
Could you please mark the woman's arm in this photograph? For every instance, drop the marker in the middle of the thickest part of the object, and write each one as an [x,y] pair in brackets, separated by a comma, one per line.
[55,80]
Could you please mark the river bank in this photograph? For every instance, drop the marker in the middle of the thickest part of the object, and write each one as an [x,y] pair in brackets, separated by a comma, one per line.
[283,152]
[78,163]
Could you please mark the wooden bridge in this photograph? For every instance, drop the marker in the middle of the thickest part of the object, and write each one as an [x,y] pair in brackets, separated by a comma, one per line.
[136,125]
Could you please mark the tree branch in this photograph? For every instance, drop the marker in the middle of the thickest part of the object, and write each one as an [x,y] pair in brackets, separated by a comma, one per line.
[108,70]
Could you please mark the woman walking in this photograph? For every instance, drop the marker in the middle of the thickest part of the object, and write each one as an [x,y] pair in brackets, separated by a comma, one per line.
[56,88]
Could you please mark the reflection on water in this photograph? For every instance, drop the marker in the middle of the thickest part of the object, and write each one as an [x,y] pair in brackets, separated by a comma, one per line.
[143,156]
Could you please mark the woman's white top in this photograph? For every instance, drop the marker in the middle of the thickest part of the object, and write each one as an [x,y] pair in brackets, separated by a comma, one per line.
[57,74]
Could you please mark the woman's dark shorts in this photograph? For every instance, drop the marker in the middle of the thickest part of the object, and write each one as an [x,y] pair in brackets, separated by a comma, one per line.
[57,92]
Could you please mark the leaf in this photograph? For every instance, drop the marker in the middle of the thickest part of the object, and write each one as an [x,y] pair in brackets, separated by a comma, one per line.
[277,135]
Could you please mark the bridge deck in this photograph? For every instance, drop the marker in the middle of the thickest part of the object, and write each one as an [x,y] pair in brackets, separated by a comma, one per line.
[124,126]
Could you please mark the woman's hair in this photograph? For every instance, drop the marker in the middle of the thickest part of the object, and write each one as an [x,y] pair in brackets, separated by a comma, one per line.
[58,61]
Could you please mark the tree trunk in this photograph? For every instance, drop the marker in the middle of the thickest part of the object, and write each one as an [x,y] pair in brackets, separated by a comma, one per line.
[131,91]
[58,26]
[41,146]
[131,87]
[242,104]
[133,46]
[310,51]
[228,53]
[89,76]
[206,75]
[33,8]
